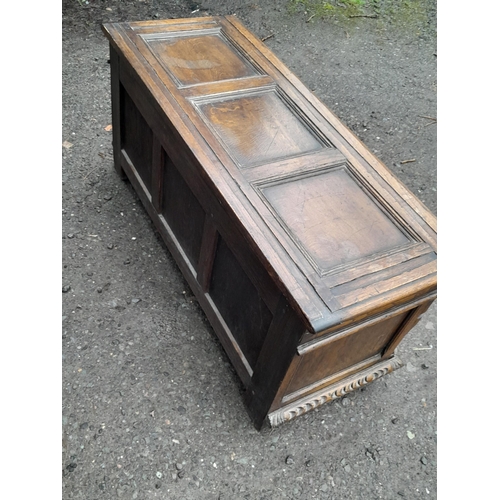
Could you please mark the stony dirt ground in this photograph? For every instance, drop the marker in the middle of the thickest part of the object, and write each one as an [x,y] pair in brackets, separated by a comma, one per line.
[151,405]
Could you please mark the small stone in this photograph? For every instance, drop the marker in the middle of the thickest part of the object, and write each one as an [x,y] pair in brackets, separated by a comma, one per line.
[423,460]
[289,460]
[324,487]
[181,474]
[424,366]
[178,466]
[347,468]
[126,261]
[110,246]
[410,367]
[66,288]
[158,485]
[343,462]
[309,462]
[135,301]
[108,196]
[84,426]
[410,434]
[71,467]
[99,289]
[181,410]
[71,235]
[159,475]
[401,494]
[345,402]
[395,420]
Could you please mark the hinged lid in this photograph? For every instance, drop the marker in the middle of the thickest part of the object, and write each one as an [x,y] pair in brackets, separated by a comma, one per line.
[342,237]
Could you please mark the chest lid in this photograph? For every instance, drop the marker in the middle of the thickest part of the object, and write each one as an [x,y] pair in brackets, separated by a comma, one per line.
[341,236]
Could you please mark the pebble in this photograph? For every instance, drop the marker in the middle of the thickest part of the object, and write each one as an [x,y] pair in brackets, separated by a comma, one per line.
[181,410]
[108,196]
[71,467]
[135,301]
[347,468]
[323,487]
[424,366]
[126,261]
[346,402]
[395,420]
[178,466]
[66,288]
[309,462]
[181,474]
[423,460]
[410,367]
[71,235]
[289,460]
[110,246]
[159,475]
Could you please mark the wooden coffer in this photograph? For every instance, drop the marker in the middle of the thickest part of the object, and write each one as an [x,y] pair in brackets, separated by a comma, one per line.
[309,258]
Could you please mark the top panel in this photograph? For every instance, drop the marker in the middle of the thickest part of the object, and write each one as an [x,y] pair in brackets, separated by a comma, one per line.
[204,57]
[341,236]
[258,127]
[333,221]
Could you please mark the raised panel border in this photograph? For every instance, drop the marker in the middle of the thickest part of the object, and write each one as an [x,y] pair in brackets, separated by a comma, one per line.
[199,101]
[413,238]
[218,31]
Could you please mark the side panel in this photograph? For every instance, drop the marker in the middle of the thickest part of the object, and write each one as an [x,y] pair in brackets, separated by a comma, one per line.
[235,291]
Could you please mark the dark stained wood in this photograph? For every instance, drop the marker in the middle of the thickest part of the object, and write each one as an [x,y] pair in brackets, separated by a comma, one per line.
[343,351]
[239,302]
[137,139]
[257,128]
[192,59]
[309,258]
[182,211]
[157,174]
[114,60]
[333,220]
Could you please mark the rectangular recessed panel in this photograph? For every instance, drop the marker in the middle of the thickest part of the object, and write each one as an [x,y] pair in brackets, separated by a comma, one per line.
[259,128]
[182,211]
[347,351]
[200,58]
[239,303]
[332,219]
[137,139]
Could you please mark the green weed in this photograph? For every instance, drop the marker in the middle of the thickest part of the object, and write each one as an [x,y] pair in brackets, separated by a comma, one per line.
[393,11]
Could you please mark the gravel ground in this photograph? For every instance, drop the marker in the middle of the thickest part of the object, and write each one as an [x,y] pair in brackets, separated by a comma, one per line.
[151,405]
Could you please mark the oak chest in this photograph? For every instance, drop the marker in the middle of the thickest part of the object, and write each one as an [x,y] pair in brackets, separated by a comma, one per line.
[309,258]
